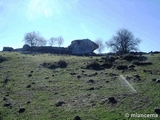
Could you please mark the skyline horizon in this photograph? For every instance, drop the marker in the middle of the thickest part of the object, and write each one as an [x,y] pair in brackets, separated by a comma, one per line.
[79,19]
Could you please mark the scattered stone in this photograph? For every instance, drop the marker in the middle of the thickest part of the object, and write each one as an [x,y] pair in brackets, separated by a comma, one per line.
[28,86]
[112,100]
[21,110]
[137,76]
[91,81]
[94,66]
[157,110]
[103,101]
[142,63]
[154,79]
[144,70]
[122,67]
[28,102]
[62,64]
[158,81]
[130,57]
[92,88]
[77,118]
[60,103]
[94,74]
[5,99]
[29,75]
[107,65]
[131,66]
[7,104]
[33,83]
[78,76]
[73,73]
[46,77]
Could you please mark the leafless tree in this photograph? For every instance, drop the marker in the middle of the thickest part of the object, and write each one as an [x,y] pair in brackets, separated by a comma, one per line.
[41,41]
[34,39]
[99,42]
[52,41]
[123,42]
[60,41]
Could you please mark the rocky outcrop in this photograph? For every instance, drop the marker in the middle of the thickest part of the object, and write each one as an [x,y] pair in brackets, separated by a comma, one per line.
[26,47]
[84,46]
[7,48]
[77,47]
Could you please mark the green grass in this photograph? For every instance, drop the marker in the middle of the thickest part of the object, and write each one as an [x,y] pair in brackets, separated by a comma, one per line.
[49,86]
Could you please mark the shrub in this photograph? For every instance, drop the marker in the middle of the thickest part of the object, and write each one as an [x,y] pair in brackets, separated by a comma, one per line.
[122,67]
[2,59]
[107,65]
[93,65]
[62,64]
[130,57]
[142,63]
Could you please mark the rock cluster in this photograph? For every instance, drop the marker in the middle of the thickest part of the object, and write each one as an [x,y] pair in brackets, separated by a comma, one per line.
[77,47]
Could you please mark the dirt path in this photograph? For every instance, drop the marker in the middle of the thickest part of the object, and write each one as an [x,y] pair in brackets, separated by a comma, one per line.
[127,84]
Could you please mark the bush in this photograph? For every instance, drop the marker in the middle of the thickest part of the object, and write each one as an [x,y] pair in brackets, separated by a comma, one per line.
[107,65]
[62,64]
[93,65]
[2,59]
[122,67]
[142,63]
[130,57]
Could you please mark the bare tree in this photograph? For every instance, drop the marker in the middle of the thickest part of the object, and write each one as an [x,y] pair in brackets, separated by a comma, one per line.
[41,41]
[34,39]
[99,42]
[52,41]
[30,38]
[123,42]
[60,41]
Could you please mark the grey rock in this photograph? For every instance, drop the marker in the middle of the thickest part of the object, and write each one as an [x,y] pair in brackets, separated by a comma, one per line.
[158,81]
[7,49]
[84,46]
[26,47]
[157,110]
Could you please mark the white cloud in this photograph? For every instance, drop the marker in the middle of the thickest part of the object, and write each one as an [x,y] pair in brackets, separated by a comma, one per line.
[48,8]
[37,8]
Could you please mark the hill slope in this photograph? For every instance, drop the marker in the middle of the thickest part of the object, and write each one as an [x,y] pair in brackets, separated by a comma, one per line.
[46,86]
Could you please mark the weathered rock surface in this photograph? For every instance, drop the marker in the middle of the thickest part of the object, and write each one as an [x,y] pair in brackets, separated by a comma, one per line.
[7,48]
[26,47]
[84,46]
[77,47]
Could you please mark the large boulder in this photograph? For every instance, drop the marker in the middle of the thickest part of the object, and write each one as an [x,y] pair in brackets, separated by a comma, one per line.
[84,46]
[26,47]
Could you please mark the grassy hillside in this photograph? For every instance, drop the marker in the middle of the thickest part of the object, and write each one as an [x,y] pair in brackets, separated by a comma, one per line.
[46,86]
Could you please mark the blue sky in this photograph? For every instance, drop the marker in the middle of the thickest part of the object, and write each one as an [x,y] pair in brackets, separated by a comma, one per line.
[80,19]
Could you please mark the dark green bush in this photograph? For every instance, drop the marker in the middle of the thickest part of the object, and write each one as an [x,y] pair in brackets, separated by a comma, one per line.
[62,64]
[122,67]
[2,59]
[93,65]
[130,57]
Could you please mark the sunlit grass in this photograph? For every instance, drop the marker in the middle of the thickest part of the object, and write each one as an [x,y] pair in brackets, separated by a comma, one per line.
[49,86]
